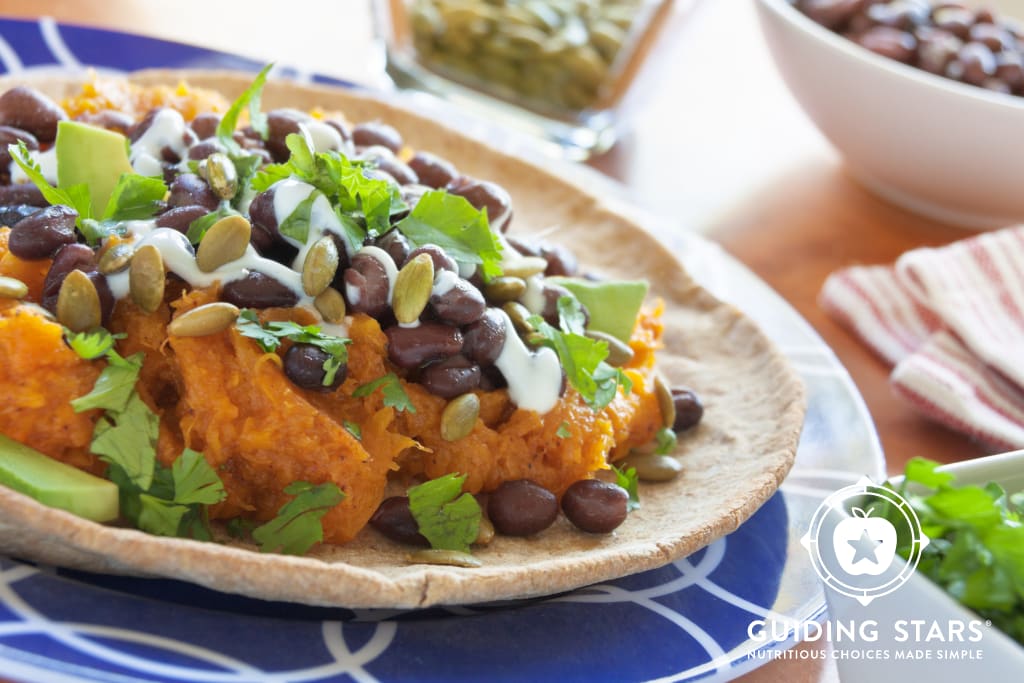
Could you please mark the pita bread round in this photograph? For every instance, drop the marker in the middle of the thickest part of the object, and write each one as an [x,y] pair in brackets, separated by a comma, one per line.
[732,462]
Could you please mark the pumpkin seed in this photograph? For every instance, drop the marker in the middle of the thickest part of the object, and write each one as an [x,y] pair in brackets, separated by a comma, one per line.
[12,288]
[39,310]
[331,305]
[524,267]
[485,534]
[146,278]
[459,417]
[204,320]
[320,266]
[224,242]
[116,258]
[652,466]
[607,38]
[663,392]
[453,558]
[504,289]
[78,303]
[520,316]
[619,353]
[412,289]
[221,175]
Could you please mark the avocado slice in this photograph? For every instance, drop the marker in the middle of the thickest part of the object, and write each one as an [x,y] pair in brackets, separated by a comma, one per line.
[91,155]
[53,483]
[613,304]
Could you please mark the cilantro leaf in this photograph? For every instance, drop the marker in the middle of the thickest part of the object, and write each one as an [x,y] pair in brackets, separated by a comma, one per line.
[563,431]
[455,225]
[296,224]
[629,480]
[270,335]
[297,526]
[92,344]
[195,481]
[115,385]
[353,429]
[76,196]
[159,516]
[128,439]
[394,395]
[447,520]
[197,228]
[666,441]
[135,197]
[249,98]
[96,231]
[923,471]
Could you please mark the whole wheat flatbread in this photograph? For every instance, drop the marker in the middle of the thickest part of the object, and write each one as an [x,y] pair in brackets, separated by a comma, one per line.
[733,461]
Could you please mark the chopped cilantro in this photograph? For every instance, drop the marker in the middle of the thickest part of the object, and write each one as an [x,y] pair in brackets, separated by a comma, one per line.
[249,98]
[563,431]
[447,520]
[195,481]
[297,527]
[197,228]
[455,225]
[628,480]
[92,344]
[127,439]
[354,429]
[76,196]
[115,385]
[240,527]
[394,395]
[296,224]
[159,516]
[269,336]
[665,441]
[96,231]
[134,197]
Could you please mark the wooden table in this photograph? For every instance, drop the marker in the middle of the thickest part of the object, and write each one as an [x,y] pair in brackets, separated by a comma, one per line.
[719,145]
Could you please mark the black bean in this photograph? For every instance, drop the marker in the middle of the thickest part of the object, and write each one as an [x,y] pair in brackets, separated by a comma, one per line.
[304,366]
[386,161]
[394,519]
[442,261]
[280,124]
[23,193]
[205,125]
[1010,68]
[203,149]
[956,20]
[552,293]
[99,281]
[832,14]
[936,48]
[521,508]
[461,305]
[188,189]
[995,38]
[524,246]
[262,215]
[483,194]
[376,133]
[411,347]
[180,217]
[167,153]
[30,110]
[366,286]
[110,119]
[595,506]
[452,377]
[979,64]
[343,130]
[689,409]
[68,258]
[11,215]
[41,234]
[561,261]
[485,338]
[889,42]
[432,170]
[257,290]
[395,244]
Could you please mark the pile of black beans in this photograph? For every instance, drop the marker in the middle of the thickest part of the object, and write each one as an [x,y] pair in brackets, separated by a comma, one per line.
[949,39]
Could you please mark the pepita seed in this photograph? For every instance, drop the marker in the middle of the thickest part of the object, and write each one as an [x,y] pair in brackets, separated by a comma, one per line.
[619,353]
[504,289]
[485,534]
[652,466]
[146,278]
[12,288]
[459,417]
[204,320]
[78,303]
[224,242]
[221,175]
[453,558]
[116,258]
[331,305]
[663,392]
[320,266]
[520,316]
[524,267]
[412,289]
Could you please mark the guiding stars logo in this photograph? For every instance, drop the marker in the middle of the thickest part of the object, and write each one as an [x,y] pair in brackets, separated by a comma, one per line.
[854,536]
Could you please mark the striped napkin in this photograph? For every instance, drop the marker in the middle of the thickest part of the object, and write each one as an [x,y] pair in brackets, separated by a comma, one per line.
[951,323]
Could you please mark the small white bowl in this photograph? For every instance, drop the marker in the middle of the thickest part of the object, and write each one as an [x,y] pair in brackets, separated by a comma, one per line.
[947,150]
[996,656]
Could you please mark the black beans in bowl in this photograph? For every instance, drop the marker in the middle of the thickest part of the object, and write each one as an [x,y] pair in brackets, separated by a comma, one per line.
[949,39]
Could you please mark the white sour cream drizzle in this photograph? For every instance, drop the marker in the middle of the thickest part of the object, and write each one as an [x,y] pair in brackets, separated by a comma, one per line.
[533,297]
[47,166]
[167,130]
[534,379]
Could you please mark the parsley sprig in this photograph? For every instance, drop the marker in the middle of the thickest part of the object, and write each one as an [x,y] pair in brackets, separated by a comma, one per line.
[581,357]
[448,518]
[269,336]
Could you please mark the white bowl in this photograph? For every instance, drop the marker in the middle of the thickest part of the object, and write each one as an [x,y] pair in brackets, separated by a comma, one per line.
[996,657]
[948,150]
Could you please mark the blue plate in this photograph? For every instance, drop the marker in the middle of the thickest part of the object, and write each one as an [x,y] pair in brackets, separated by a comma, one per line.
[689,620]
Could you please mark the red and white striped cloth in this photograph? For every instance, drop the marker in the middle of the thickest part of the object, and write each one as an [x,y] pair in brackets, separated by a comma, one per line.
[951,322]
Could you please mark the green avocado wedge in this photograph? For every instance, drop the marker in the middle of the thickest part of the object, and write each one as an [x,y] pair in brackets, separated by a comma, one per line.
[94,156]
[53,483]
[613,305]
